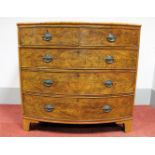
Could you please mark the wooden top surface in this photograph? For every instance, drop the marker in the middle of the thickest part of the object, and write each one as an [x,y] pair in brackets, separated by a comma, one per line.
[78,24]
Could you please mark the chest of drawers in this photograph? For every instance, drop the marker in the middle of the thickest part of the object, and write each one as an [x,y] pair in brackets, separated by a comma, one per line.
[78,73]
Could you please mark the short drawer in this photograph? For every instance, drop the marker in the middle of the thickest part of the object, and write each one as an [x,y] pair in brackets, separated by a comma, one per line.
[79,58]
[82,83]
[109,37]
[48,36]
[77,109]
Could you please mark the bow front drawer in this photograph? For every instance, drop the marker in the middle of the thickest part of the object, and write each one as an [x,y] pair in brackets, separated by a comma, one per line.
[78,109]
[79,58]
[55,36]
[109,37]
[79,83]
[48,36]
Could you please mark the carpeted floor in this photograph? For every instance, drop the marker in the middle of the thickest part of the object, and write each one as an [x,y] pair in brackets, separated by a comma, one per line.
[10,125]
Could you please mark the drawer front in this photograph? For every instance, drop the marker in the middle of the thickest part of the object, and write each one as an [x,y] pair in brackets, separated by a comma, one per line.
[77,109]
[109,37]
[74,58]
[48,36]
[81,83]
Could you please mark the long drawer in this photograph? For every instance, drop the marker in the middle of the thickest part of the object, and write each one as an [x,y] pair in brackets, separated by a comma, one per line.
[81,82]
[79,58]
[74,36]
[77,109]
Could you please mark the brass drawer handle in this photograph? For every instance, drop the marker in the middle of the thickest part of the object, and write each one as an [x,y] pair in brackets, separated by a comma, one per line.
[48,108]
[47,36]
[111,37]
[108,83]
[47,83]
[47,58]
[106,108]
[109,59]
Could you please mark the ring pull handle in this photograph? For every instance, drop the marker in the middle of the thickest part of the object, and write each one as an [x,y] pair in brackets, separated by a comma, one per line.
[47,58]
[111,37]
[108,83]
[47,83]
[106,108]
[47,36]
[48,107]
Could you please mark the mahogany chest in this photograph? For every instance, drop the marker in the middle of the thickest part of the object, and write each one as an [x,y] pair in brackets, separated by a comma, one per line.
[78,73]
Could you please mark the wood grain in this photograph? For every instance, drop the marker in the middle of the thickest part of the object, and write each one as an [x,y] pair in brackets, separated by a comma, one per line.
[79,58]
[78,71]
[77,109]
[78,36]
[60,36]
[98,37]
[78,83]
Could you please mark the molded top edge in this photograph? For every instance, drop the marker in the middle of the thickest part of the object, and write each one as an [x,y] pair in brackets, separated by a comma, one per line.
[78,24]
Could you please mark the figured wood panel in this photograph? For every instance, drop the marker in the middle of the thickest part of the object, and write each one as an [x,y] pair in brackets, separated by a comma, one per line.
[79,58]
[85,109]
[79,51]
[98,37]
[60,36]
[79,83]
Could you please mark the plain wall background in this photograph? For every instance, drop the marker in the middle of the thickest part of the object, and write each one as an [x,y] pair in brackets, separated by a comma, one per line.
[153,87]
[9,49]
